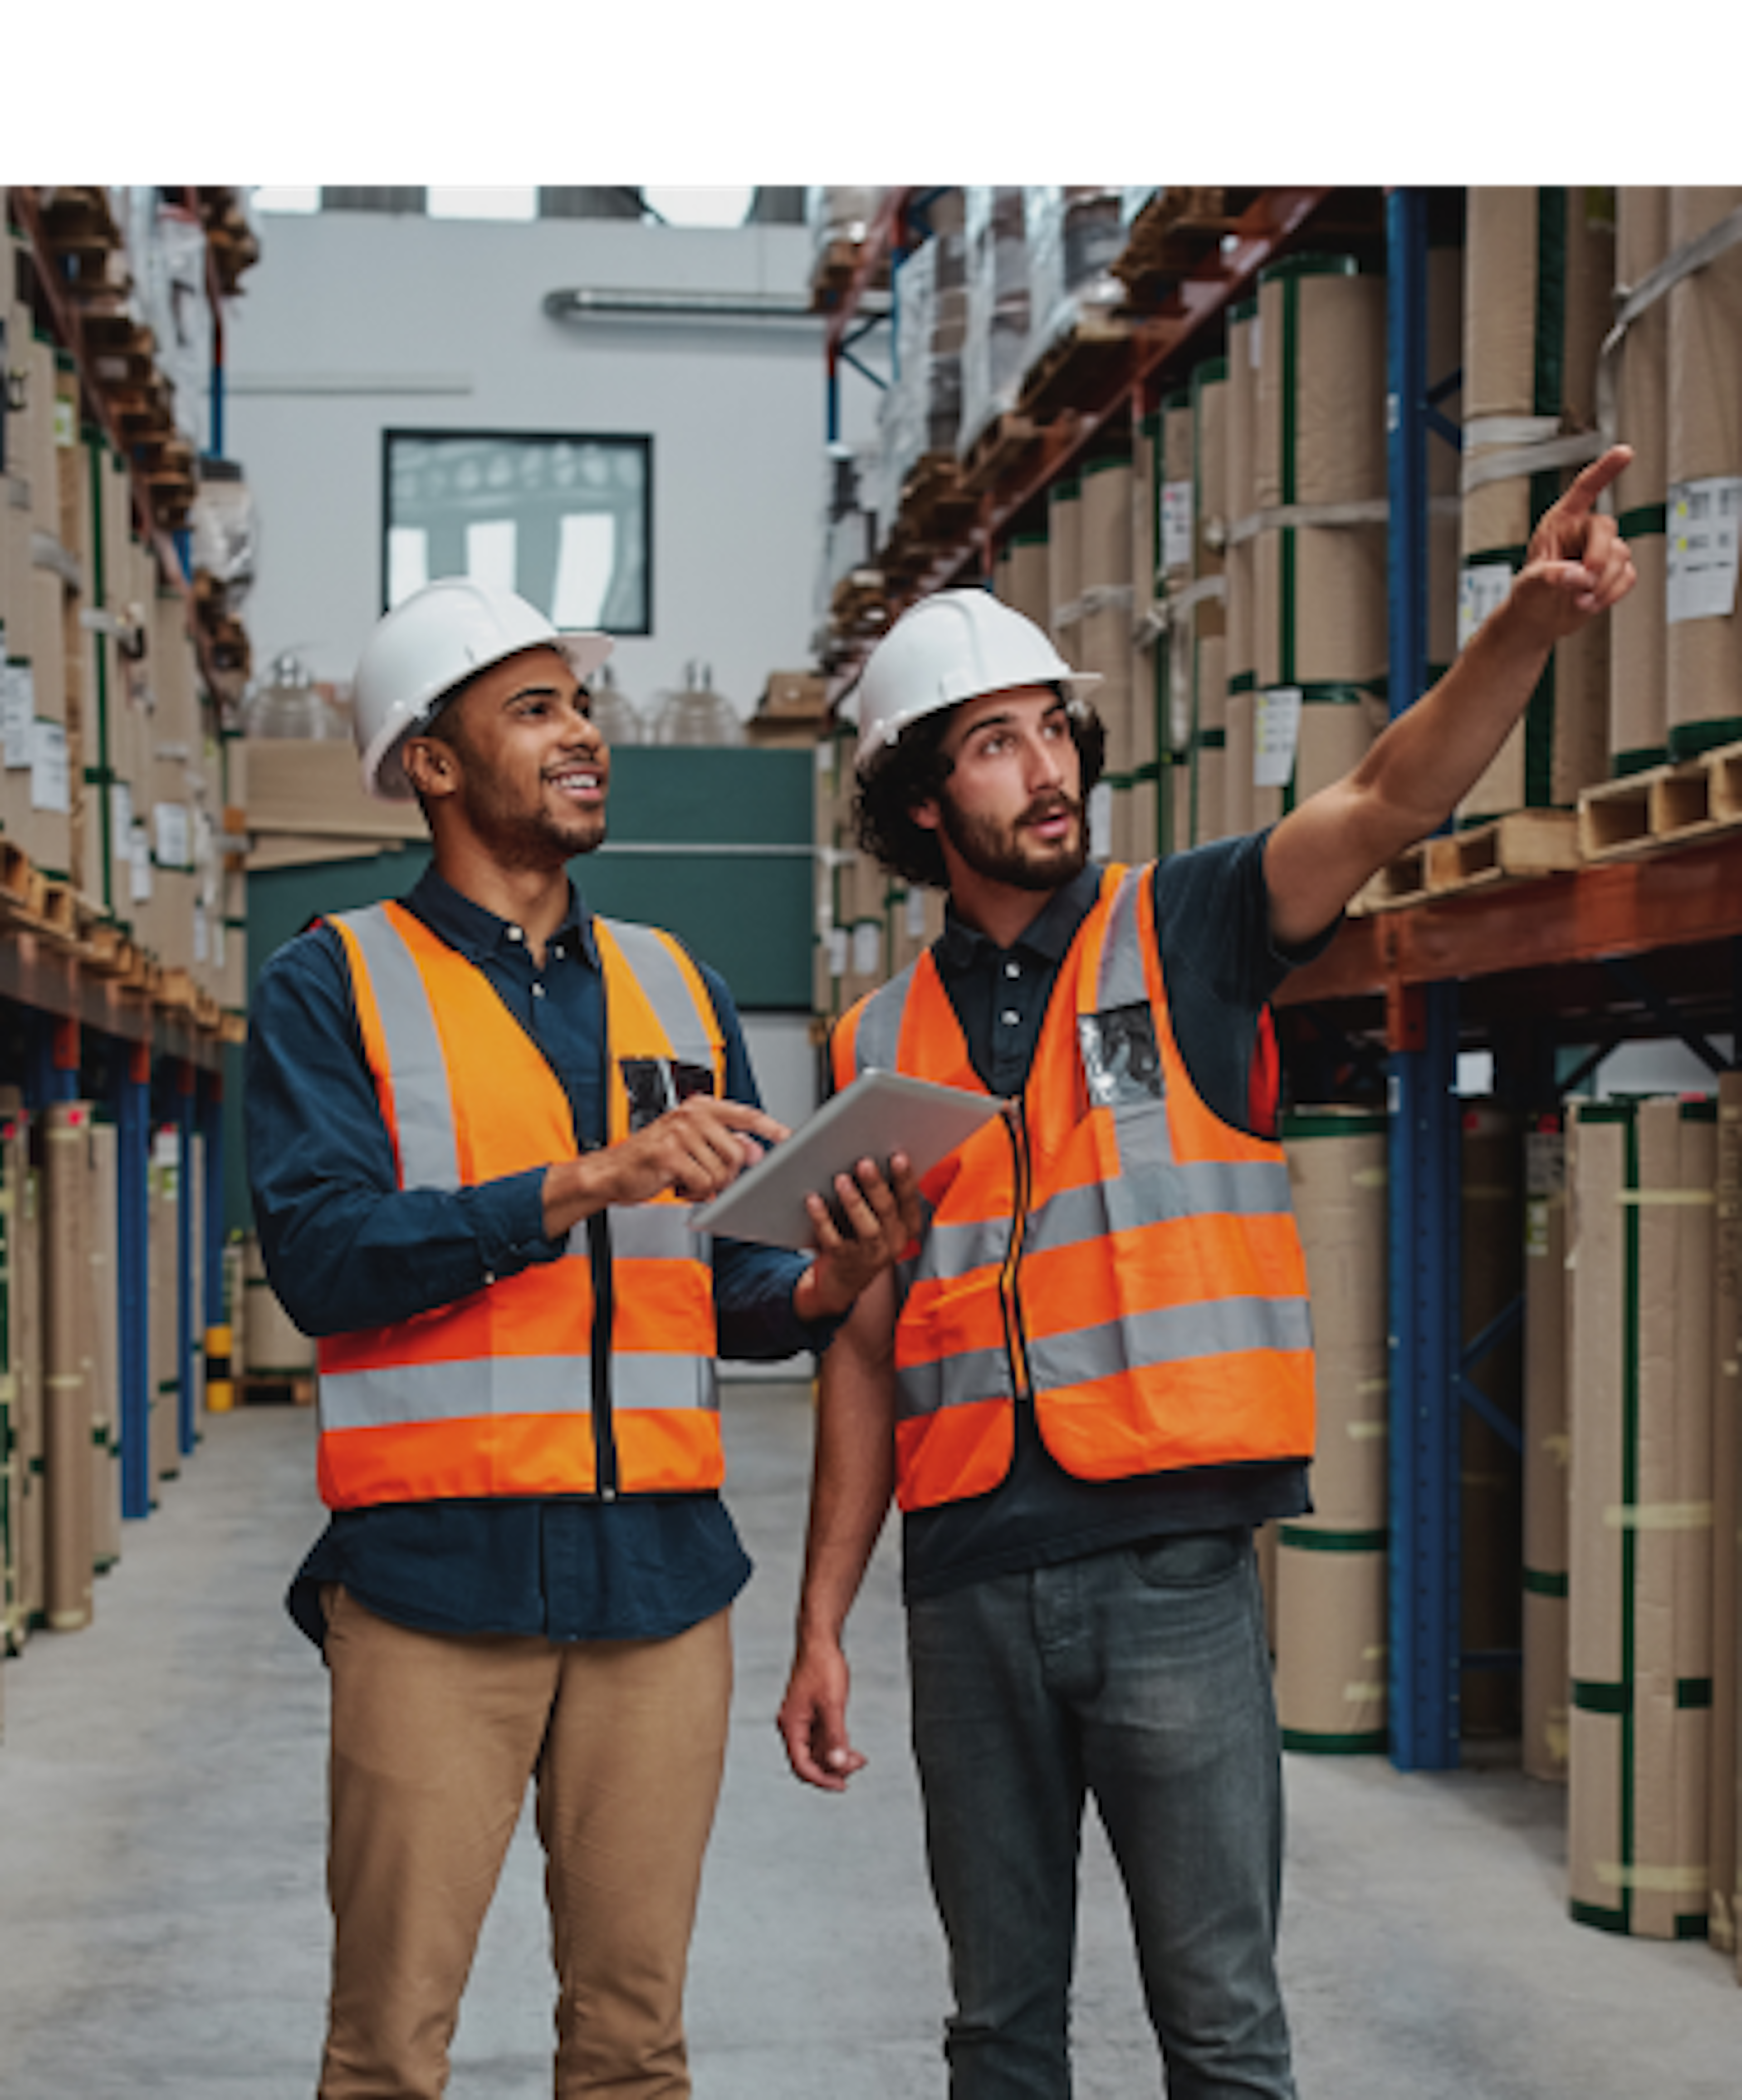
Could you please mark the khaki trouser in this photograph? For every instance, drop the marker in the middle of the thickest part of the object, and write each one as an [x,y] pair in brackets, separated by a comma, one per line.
[435,1737]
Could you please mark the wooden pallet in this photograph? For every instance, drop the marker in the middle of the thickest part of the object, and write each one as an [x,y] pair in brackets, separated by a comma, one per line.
[1524,846]
[1174,232]
[936,508]
[1668,805]
[999,451]
[1076,370]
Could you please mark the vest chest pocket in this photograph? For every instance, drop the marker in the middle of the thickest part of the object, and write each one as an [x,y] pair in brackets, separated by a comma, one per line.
[1121,1060]
[655,1084]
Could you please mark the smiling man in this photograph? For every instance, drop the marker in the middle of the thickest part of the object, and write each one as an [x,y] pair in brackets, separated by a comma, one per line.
[1093,1377]
[477,1120]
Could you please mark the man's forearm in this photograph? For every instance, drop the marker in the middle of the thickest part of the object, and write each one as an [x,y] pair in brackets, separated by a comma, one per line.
[853,1471]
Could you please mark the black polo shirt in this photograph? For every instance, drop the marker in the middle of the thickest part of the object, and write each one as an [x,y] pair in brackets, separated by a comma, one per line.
[1221,967]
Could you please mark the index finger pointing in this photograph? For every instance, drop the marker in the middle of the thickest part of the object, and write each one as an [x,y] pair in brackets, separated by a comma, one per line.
[1592,479]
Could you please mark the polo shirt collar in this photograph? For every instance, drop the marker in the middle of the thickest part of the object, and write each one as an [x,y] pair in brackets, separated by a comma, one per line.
[478,934]
[1047,934]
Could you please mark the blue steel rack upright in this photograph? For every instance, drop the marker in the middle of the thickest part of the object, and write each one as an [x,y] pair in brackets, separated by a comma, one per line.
[1425,1264]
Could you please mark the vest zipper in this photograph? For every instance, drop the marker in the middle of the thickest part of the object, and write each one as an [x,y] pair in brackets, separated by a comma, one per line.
[1010,1297]
[604,1433]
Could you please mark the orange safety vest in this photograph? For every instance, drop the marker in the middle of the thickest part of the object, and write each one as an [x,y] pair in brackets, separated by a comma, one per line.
[1111,1247]
[593,1374]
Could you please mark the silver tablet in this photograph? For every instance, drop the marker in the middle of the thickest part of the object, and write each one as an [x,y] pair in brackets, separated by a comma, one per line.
[880,1113]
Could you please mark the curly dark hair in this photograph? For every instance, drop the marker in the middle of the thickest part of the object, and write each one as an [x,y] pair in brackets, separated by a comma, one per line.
[915,768]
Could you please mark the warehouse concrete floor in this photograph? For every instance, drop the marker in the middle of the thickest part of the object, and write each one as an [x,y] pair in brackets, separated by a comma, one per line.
[162,1927]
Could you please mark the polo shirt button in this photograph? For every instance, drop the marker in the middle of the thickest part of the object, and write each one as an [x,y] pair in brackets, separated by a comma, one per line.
[1011,1016]
[538,991]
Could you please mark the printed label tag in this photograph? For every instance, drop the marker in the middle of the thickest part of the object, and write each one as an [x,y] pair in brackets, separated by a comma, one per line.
[1704,517]
[1176,524]
[1276,736]
[1480,589]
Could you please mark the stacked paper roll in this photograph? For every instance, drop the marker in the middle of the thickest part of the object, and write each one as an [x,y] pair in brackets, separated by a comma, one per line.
[1703,697]
[1539,280]
[1544,1747]
[1209,619]
[1638,645]
[1640,1538]
[1330,1568]
[66,1413]
[1026,584]
[1320,580]
[1104,630]
[1174,535]
[1492,1207]
[1726,1845]
[1149,763]
[1239,500]
[1064,560]
[1445,357]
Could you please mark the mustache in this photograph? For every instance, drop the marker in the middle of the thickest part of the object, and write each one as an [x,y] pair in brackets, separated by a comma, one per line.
[1050,805]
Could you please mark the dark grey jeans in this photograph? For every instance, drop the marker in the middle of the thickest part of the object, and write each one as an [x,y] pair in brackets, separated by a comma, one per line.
[1140,1676]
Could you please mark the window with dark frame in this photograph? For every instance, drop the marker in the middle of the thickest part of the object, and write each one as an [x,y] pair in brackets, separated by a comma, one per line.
[565,520]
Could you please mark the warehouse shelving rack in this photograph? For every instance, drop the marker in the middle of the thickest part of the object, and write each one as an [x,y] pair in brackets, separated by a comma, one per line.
[86,1023]
[1646,947]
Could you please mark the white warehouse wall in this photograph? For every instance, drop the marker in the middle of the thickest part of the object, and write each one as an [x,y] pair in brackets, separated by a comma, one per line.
[355,322]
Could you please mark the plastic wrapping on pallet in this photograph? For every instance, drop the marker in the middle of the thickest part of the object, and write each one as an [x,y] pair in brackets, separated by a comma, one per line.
[919,411]
[995,345]
[1074,235]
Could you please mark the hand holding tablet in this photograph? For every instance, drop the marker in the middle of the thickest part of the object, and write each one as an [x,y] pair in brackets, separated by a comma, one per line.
[880,1113]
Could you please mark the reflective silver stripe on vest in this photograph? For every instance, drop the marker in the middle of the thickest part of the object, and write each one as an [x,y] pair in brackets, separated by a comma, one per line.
[878,1041]
[666,990]
[1149,1195]
[1173,1334]
[653,1232]
[1121,980]
[429,1151]
[1227,1326]
[408,1393]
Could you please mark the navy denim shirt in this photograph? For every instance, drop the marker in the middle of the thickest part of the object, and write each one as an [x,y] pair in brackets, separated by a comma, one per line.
[346,1248]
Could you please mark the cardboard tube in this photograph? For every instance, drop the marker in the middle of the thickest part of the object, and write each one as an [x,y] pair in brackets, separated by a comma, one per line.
[67,1415]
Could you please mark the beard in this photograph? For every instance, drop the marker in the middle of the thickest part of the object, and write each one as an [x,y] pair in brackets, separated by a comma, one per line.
[1006,854]
[534,839]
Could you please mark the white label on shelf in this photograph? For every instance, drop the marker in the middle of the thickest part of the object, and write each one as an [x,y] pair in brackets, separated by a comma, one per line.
[1176,524]
[916,914]
[1481,588]
[66,423]
[48,785]
[18,711]
[837,951]
[1276,736]
[1704,520]
[867,947]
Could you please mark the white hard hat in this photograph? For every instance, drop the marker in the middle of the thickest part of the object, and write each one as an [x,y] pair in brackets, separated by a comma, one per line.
[952,646]
[432,641]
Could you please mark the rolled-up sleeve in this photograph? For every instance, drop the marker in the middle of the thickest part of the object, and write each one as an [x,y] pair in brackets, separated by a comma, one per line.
[344,1246]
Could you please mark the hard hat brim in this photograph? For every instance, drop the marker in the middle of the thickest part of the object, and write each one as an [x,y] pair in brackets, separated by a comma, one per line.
[883,737]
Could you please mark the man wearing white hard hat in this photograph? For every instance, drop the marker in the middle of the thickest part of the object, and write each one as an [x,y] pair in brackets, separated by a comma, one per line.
[477,1119]
[1093,1378]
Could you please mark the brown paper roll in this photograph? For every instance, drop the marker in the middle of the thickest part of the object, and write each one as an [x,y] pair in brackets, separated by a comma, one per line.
[1638,730]
[103,1346]
[1331,1638]
[1210,463]
[1239,497]
[1238,794]
[1105,559]
[1703,688]
[1333,629]
[1028,577]
[1064,559]
[67,1411]
[1492,1208]
[1546,1452]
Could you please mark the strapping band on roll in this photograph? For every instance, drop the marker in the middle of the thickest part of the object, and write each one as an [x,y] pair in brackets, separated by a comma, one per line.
[1631,301]
[1293,517]
[1660,1881]
[1669,1198]
[1171,608]
[1658,1516]
[1513,462]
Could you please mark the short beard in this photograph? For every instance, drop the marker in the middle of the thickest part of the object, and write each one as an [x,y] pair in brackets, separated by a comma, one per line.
[996,851]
